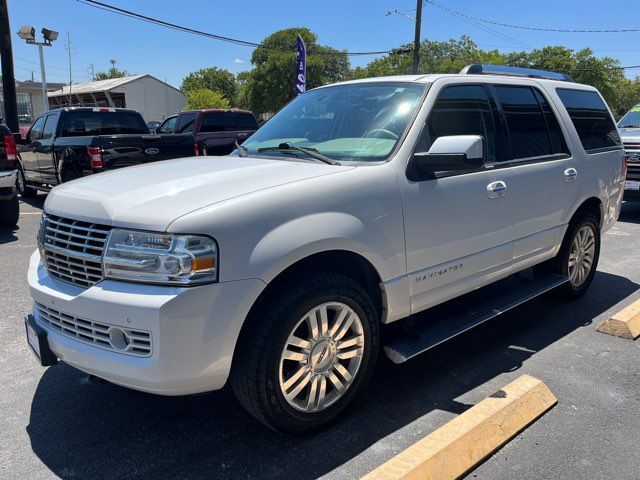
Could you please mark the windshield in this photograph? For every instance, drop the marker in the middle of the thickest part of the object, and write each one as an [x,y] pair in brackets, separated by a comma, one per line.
[362,121]
[631,119]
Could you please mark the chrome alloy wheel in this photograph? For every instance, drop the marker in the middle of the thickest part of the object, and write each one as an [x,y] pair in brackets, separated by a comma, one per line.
[20,182]
[581,256]
[321,357]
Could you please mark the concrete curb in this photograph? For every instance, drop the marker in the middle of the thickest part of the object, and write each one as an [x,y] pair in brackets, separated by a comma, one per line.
[625,323]
[460,445]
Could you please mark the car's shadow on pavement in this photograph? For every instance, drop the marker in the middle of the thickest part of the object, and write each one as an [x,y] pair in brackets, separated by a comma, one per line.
[630,212]
[88,429]
[36,202]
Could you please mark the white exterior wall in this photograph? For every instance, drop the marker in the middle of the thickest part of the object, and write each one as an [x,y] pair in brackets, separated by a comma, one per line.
[154,99]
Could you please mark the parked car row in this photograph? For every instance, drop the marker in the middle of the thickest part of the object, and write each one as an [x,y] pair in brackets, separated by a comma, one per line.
[69,143]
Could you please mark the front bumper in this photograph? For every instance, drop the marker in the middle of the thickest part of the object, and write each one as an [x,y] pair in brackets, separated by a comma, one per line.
[193,330]
[7,178]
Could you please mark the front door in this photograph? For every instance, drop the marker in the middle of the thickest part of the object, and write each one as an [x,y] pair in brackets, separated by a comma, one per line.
[28,155]
[45,153]
[457,226]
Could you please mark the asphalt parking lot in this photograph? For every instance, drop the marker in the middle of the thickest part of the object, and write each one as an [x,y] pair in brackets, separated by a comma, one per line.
[57,422]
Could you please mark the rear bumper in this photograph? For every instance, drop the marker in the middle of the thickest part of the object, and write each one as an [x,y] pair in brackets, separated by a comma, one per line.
[7,178]
[193,330]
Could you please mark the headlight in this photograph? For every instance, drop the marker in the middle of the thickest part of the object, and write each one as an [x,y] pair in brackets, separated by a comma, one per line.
[160,258]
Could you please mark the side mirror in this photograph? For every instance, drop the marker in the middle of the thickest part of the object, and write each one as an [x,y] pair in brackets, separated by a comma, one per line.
[17,137]
[448,154]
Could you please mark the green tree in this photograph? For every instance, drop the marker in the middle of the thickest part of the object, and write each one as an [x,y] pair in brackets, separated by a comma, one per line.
[271,83]
[603,73]
[200,98]
[212,78]
[113,72]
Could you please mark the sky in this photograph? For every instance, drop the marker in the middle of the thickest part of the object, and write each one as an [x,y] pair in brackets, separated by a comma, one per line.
[355,25]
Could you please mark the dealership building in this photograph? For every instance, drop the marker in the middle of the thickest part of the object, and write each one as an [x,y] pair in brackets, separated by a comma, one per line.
[153,98]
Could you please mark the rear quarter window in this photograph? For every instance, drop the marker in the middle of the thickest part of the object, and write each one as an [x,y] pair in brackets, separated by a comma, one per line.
[591,118]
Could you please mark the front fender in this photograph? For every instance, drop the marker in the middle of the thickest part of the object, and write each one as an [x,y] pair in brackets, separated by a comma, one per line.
[302,237]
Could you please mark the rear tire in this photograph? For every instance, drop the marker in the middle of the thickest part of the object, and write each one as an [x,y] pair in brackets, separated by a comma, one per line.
[578,255]
[296,374]
[69,173]
[9,209]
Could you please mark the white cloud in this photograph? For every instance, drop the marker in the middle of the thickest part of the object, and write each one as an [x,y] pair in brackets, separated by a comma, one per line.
[237,60]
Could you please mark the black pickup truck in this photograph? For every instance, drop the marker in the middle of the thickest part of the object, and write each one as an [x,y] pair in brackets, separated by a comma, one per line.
[69,143]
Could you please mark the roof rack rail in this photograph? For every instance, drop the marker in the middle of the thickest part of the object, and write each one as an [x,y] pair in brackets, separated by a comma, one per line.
[478,69]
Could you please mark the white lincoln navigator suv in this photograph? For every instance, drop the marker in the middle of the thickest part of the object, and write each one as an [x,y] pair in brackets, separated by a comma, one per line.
[358,220]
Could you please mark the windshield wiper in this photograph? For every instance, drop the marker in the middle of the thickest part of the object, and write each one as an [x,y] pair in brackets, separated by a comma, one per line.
[629,126]
[242,151]
[312,152]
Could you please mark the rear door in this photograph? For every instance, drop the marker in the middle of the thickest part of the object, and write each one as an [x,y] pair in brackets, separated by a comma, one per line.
[28,155]
[599,155]
[45,153]
[537,170]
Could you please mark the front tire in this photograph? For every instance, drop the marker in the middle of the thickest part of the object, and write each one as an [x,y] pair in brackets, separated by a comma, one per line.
[579,254]
[307,353]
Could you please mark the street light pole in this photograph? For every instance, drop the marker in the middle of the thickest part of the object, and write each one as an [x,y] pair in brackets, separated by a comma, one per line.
[43,77]
[416,39]
[28,34]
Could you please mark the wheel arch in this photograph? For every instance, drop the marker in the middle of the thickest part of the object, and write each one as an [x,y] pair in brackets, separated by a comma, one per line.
[345,262]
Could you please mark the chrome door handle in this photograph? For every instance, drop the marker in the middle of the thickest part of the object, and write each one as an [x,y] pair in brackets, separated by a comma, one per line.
[496,189]
[570,175]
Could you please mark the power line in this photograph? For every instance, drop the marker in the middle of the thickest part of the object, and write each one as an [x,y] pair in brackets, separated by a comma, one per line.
[525,27]
[466,18]
[48,66]
[236,41]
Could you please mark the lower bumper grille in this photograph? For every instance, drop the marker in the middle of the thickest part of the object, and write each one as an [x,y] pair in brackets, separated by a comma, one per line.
[101,335]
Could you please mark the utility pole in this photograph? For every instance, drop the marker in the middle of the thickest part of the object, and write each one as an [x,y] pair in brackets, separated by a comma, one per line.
[8,79]
[93,74]
[70,79]
[416,40]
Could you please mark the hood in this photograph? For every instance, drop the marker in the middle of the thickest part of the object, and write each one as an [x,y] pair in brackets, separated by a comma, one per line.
[629,135]
[152,196]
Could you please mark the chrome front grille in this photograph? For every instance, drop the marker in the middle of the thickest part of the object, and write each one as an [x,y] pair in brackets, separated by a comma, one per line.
[73,249]
[108,337]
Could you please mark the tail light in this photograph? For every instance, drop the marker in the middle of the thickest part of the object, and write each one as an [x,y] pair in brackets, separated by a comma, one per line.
[196,150]
[10,149]
[95,157]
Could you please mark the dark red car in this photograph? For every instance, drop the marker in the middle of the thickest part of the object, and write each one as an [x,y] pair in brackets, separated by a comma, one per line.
[216,131]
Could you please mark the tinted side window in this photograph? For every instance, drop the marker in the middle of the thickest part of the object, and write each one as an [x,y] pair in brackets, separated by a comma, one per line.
[185,125]
[218,122]
[167,126]
[591,118]
[36,129]
[50,126]
[246,121]
[556,137]
[461,110]
[525,120]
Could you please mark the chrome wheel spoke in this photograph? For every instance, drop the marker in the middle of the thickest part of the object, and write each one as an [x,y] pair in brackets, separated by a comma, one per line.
[314,329]
[317,393]
[338,384]
[298,385]
[294,356]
